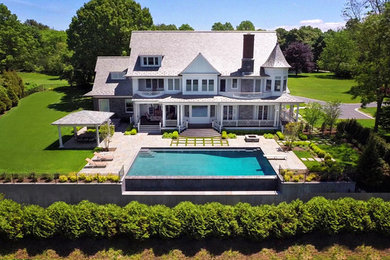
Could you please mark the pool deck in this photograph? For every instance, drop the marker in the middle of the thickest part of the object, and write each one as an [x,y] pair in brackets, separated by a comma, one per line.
[128,146]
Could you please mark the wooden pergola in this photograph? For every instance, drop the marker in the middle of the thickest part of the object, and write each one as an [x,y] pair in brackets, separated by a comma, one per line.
[83,118]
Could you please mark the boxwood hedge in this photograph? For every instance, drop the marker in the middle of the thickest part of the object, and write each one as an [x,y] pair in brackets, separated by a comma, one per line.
[139,222]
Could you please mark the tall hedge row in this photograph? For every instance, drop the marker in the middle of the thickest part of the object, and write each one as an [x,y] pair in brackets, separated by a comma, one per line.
[138,221]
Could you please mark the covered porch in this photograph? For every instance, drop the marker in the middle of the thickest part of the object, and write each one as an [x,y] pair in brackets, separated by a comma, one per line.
[84,118]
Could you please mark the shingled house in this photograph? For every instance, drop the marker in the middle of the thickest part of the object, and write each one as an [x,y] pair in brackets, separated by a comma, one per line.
[181,79]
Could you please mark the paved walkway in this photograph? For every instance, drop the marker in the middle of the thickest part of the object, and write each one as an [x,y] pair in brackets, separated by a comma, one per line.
[128,146]
[348,110]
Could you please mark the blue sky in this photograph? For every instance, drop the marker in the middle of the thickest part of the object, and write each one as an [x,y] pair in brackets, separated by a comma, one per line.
[200,14]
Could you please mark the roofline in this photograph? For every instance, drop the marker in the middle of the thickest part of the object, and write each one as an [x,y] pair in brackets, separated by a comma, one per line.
[179,31]
[113,57]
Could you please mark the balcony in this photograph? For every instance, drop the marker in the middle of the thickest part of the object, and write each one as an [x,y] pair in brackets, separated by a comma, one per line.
[244,95]
[152,93]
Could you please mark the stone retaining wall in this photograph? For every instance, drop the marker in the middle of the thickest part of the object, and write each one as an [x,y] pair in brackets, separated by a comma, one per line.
[46,194]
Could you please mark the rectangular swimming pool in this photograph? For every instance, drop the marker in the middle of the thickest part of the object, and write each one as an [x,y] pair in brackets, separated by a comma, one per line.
[200,162]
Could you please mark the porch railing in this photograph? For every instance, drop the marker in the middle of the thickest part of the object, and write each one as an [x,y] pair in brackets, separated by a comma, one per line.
[248,123]
[247,94]
[171,123]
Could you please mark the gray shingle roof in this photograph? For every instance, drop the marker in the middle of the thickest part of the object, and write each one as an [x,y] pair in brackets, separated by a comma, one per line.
[179,98]
[276,59]
[84,117]
[103,84]
[222,49]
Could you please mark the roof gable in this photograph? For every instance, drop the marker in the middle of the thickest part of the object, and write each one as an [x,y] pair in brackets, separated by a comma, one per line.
[223,50]
[276,59]
[200,65]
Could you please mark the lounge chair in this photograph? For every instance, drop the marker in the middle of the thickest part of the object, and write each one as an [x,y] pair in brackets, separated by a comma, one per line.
[275,157]
[103,157]
[95,164]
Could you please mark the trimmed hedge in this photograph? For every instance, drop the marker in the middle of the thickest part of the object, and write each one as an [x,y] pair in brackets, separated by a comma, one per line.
[138,221]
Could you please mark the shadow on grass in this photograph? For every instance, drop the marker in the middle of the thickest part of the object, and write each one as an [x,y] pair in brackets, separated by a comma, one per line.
[55,145]
[191,247]
[297,76]
[330,76]
[72,100]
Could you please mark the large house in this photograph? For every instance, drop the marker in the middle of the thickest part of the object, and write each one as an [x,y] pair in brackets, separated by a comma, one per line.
[180,79]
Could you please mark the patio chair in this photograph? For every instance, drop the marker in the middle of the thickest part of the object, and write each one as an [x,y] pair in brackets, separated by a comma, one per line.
[103,157]
[95,164]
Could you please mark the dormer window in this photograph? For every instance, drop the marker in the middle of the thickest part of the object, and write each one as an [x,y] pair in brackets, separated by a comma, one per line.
[118,75]
[151,61]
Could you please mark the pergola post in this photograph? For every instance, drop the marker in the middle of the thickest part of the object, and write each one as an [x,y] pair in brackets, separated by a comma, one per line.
[97,135]
[296,119]
[75,131]
[60,137]
[221,116]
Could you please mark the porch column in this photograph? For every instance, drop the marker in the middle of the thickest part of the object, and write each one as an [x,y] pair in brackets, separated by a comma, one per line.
[276,118]
[97,135]
[296,119]
[163,115]
[182,114]
[60,137]
[135,114]
[221,115]
[178,115]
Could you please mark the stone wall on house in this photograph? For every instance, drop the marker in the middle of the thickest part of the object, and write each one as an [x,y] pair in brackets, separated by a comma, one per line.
[117,105]
[245,112]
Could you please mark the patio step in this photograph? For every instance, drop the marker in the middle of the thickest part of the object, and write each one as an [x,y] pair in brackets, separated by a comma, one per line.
[199,132]
[151,129]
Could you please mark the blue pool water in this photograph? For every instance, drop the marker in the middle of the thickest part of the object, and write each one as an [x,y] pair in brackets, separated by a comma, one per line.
[200,162]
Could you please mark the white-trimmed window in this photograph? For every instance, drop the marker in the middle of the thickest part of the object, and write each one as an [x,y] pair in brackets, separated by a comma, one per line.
[150,61]
[204,84]
[227,112]
[129,106]
[262,113]
[188,85]
[118,75]
[173,84]
[258,85]
[211,85]
[278,83]
[285,83]
[268,85]
[104,105]
[235,83]
[195,84]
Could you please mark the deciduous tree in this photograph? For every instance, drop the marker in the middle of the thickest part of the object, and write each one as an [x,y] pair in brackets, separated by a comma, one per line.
[372,72]
[246,26]
[313,113]
[331,112]
[222,27]
[103,27]
[300,57]
[186,27]
[340,53]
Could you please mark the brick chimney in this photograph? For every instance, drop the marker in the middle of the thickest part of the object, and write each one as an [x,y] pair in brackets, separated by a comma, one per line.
[247,55]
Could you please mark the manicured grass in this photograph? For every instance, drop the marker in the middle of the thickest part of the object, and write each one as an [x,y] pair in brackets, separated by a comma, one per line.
[321,86]
[32,79]
[343,153]
[306,154]
[369,110]
[29,143]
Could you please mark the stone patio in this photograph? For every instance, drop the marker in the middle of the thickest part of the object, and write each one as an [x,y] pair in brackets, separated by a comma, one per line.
[127,147]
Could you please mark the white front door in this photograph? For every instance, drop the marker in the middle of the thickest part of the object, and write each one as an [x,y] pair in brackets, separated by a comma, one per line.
[199,115]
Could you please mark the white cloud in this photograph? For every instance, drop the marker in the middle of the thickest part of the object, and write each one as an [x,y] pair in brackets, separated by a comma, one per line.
[318,23]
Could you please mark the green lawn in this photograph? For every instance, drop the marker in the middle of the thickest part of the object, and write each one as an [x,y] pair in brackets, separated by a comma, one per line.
[31,78]
[321,86]
[369,110]
[29,143]
[342,153]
